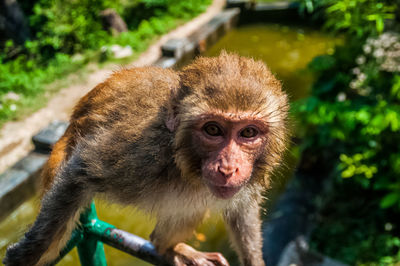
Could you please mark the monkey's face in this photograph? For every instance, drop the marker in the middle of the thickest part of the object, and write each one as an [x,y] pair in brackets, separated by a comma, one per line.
[228,145]
[229,116]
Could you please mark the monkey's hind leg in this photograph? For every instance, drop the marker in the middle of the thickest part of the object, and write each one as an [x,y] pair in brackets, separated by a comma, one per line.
[59,212]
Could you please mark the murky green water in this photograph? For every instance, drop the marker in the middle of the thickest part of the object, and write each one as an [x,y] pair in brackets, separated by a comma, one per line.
[287,51]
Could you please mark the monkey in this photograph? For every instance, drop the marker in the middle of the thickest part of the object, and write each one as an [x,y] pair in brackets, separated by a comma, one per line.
[175,144]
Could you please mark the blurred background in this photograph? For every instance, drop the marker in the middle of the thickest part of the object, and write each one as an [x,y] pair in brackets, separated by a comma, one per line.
[337,194]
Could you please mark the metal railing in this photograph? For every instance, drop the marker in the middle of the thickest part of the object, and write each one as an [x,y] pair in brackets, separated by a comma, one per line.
[92,233]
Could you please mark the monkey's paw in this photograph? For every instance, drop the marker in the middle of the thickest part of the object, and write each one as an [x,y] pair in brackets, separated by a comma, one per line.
[184,255]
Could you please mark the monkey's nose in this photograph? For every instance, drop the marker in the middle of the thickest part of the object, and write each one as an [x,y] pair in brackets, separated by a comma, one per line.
[227,171]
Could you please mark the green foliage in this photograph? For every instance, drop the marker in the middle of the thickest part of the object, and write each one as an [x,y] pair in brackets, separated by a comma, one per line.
[355,232]
[351,123]
[360,17]
[24,78]
[354,112]
[64,29]
[68,26]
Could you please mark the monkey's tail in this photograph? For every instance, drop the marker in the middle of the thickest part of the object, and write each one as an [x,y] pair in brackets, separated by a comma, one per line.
[60,210]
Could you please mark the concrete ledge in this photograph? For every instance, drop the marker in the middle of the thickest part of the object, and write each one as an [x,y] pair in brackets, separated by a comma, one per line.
[260,6]
[177,52]
[174,48]
[21,181]
[47,137]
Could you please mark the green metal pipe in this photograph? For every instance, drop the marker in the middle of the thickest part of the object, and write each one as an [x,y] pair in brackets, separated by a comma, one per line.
[126,242]
[92,233]
[91,250]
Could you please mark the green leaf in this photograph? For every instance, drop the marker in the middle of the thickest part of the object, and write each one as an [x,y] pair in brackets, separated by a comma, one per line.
[390,200]
[379,24]
[309,6]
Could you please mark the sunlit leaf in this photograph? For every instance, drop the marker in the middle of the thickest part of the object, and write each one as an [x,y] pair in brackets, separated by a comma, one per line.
[390,200]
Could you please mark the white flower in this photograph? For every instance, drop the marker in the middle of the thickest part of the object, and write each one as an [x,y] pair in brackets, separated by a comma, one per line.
[367,49]
[353,84]
[388,226]
[356,71]
[341,97]
[362,77]
[11,96]
[104,49]
[384,37]
[360,60]
[379,53]
[13,107]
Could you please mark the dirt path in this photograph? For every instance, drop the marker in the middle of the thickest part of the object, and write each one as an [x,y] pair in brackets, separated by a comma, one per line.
[15,137]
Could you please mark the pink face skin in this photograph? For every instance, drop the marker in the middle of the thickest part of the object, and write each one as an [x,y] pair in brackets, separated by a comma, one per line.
[228,145]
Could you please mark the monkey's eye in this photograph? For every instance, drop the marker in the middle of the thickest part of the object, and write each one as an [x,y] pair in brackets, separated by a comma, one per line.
[212,129]
[249,132]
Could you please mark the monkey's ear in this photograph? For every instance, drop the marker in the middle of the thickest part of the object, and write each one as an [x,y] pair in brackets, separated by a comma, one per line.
[172,121]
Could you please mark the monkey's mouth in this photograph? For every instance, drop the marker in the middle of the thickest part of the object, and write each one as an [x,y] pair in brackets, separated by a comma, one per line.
[224,192]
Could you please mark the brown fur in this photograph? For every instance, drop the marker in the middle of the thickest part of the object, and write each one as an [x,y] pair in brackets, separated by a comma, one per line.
[96,109]
[130,139]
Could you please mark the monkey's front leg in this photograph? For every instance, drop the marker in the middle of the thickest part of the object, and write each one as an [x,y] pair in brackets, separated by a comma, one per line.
[244,226]
[57,218]
[168,237]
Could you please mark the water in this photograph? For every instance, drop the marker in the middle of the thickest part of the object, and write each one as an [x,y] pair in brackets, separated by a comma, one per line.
[287,50]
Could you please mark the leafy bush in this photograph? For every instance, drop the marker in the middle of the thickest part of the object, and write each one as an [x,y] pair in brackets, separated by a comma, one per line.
[360,17]
[352,125]
[355,113]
